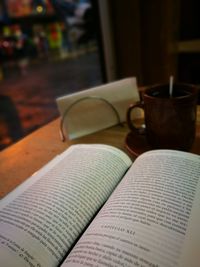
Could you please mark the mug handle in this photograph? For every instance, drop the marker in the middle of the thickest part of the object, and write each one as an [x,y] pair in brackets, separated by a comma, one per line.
[131,125]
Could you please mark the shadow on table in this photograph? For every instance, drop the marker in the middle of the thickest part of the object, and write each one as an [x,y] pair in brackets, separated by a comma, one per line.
[10,124]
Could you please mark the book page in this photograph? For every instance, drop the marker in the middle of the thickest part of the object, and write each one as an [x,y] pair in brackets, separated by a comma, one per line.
[144,222]
[190,255]
[42,218]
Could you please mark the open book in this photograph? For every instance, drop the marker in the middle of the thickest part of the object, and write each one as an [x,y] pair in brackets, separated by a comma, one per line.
[91,206]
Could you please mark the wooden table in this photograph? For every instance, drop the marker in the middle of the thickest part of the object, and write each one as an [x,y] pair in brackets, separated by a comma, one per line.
[22,159]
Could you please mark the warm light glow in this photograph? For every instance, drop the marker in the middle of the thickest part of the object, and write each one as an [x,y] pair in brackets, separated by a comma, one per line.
[39,9]
[6,44]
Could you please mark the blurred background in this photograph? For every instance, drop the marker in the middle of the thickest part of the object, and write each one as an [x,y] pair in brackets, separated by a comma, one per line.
[47,49]
[50,48]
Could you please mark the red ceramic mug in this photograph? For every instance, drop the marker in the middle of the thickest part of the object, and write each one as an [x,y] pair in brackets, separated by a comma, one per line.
[170,121]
